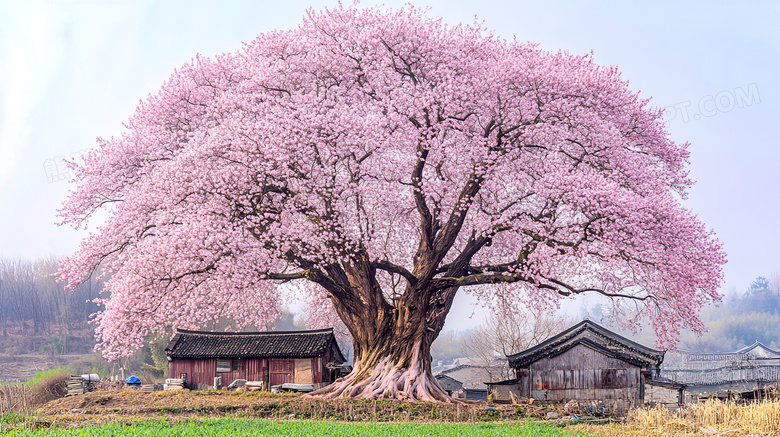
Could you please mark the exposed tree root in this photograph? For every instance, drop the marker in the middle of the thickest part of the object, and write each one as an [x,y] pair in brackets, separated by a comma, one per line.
[387,381]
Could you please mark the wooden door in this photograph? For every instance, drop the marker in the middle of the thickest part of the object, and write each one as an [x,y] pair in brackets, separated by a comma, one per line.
[282,370]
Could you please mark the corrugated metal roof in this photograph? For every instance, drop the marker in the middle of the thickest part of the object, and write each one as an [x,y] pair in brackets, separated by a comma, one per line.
[199,344]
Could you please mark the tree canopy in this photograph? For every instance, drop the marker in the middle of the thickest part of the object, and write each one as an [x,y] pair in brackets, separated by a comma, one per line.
[384,160]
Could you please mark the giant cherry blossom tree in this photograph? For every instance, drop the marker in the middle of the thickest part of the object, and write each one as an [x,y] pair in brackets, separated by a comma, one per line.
[383,160]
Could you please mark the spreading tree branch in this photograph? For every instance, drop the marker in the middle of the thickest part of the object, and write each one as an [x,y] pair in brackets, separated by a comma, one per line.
[394,268]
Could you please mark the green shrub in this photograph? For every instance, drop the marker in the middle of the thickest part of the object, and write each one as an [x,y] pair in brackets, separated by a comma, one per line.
[49,385]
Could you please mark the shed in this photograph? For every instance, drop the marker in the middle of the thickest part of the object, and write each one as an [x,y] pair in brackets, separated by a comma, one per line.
[662,391]
[471,378]
[275,357]
[449,384]
[586,362]
[503,392]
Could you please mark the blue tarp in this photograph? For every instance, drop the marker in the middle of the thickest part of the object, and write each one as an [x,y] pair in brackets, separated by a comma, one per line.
[133,380]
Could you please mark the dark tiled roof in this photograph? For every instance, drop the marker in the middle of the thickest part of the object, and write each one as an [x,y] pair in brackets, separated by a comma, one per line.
[505,382]
[594,336]
[293,344]
[448,383]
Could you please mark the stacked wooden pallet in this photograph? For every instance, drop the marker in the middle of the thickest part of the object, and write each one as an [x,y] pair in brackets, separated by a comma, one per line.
[147,388]
[174,384]
[75,385]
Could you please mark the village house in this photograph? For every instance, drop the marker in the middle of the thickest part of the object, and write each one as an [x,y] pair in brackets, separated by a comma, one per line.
[467,381]
[588,362]
[298,357]
[751,368]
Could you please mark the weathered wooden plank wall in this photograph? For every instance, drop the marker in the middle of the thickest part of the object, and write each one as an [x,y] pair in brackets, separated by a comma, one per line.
[282,370]
[200,372]
[256,369]
[318,371]
[523,375]
[581,373]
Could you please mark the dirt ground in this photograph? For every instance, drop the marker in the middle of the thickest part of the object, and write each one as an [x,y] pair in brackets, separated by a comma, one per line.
[131,405]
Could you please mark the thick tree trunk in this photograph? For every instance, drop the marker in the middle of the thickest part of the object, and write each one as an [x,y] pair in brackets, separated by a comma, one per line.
[391,369]
[392,350]
[392,343]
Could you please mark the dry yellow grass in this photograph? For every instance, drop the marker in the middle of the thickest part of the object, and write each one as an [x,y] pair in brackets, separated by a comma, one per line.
[711,418]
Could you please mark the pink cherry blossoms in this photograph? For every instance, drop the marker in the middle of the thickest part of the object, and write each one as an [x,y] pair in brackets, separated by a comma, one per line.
[364,131]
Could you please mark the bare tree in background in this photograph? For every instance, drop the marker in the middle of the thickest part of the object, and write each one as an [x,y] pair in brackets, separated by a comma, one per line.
[500,336]
[37,311]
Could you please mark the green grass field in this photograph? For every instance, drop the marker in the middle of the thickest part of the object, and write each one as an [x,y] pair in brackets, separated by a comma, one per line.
[242,427]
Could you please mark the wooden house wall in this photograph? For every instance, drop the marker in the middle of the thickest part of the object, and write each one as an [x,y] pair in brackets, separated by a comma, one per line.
[317,370]
[323,375]
[580,373]
[282,370]
[201,372]
[251,369]
[255,369]
[303,371]
[523,375]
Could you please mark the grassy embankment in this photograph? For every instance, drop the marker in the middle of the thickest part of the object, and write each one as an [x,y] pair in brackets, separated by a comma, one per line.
[185,413]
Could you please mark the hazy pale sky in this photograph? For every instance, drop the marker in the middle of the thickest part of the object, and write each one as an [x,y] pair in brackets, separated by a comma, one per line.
[71,71]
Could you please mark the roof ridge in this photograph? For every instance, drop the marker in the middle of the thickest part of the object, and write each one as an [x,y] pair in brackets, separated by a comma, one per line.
[574,335]
[756,344]
[301,343]
[626,339]
[297,332]
[459,366]
[585,325]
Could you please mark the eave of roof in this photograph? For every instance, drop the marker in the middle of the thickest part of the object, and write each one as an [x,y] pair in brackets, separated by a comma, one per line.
[755,345]
[301,344]
[504,382]
[274,333]
[665,382]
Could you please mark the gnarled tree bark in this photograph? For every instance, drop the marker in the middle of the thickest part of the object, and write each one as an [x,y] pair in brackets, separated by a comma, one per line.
[392,343]
[392,350]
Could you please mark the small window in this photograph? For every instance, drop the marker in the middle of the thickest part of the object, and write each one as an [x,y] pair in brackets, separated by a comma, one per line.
[223,366]
[237,364]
